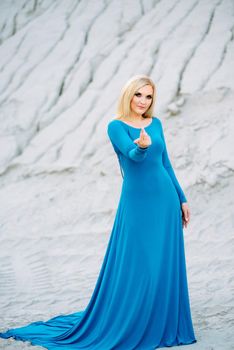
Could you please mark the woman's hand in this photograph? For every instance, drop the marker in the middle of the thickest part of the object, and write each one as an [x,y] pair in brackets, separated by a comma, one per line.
[185,214]
[144,140]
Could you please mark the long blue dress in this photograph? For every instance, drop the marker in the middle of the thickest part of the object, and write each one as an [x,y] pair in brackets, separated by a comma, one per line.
[141,298]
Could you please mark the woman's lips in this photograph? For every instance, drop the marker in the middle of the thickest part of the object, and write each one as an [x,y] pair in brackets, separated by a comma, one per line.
[141,107]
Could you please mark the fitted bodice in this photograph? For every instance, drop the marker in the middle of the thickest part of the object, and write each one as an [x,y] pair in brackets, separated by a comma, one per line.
[144,169]
[153,160]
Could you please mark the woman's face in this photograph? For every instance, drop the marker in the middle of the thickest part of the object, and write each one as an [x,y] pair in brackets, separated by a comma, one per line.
[142,99]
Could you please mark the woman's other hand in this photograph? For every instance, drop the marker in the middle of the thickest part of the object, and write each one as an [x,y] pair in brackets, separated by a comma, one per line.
[185,214]
[144,140]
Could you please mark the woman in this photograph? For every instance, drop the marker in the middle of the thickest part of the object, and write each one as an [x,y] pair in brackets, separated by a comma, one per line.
[141,298]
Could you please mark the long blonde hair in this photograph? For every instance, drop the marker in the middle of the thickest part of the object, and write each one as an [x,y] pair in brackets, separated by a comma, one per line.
[127,93]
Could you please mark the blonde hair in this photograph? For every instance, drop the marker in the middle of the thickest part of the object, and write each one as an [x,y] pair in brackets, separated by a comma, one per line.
[127,93]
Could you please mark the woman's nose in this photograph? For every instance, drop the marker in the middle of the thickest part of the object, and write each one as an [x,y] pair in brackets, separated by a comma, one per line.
[143,99]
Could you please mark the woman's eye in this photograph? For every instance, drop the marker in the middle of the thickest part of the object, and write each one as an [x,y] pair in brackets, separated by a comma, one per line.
[138,94]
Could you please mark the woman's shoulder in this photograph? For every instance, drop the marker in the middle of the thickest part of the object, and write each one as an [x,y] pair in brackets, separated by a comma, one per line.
[157,119]
[114,126]
[115,122]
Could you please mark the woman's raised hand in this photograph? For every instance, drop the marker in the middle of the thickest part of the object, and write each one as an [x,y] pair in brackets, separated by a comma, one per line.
[144,140]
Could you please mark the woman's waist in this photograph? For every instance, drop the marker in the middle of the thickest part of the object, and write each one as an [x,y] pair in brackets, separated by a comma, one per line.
[145,173]
[147,180]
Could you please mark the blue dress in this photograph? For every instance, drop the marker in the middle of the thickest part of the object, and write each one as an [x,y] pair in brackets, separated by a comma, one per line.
[141,298]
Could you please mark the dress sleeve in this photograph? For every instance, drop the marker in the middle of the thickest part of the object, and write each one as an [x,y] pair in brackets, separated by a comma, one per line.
[120,139]
[169,168]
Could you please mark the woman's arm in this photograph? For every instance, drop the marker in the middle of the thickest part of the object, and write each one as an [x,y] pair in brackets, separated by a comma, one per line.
[169,168]
[120,138]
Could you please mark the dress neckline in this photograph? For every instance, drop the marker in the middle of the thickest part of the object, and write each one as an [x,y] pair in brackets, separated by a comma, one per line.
[133,127]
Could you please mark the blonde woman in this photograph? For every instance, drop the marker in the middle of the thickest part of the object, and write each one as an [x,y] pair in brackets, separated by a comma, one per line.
[141,298]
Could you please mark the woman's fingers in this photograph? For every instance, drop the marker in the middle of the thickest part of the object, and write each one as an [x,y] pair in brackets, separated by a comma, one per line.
[185,223]
[186,214]
[143,134]
[144,139]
